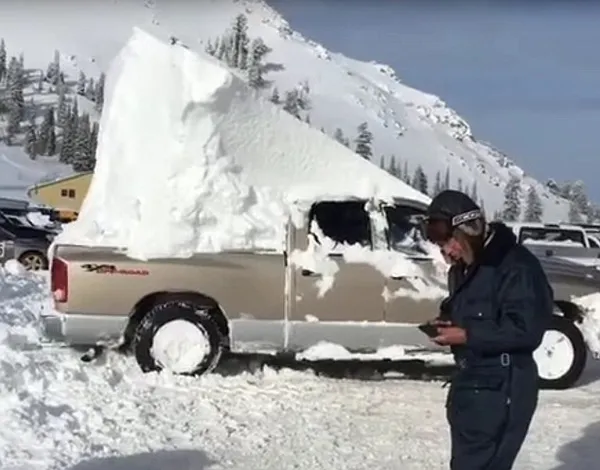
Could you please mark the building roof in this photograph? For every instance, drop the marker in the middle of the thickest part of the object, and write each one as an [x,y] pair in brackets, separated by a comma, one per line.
[45,184]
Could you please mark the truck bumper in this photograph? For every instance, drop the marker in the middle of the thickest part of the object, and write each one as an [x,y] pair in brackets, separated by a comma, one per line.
[83,329]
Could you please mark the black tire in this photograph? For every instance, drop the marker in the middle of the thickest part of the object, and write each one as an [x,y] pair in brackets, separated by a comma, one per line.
[166,312]
[575,337]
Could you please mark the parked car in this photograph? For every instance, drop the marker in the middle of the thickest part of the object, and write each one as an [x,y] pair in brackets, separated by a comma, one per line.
[248,302]
[30,249]
[40,218]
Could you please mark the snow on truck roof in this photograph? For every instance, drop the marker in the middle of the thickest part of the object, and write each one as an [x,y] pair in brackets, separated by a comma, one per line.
[190,158]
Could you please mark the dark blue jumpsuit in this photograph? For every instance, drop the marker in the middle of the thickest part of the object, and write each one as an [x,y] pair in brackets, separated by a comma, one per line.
[505,304]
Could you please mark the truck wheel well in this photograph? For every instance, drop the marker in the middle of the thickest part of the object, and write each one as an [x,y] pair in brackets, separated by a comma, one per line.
[146,303]
[569,310]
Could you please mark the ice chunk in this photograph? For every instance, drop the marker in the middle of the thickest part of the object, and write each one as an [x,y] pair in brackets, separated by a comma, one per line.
[591,320]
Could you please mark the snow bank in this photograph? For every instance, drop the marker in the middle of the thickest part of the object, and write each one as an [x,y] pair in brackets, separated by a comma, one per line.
[591,321]
[190,159]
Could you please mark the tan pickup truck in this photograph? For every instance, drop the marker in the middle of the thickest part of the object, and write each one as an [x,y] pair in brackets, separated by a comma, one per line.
[182,314]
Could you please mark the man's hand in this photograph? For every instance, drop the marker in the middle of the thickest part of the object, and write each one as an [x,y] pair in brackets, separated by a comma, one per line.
[450,335]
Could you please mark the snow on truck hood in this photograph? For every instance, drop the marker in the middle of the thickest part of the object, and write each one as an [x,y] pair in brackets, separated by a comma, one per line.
[190,159]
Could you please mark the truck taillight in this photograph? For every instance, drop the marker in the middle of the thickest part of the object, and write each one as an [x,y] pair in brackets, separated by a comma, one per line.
[59,280]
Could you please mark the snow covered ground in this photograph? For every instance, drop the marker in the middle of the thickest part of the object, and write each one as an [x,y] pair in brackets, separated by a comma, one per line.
[416,127]
[59,413]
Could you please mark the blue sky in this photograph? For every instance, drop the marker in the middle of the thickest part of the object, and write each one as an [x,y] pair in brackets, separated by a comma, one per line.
[526,75]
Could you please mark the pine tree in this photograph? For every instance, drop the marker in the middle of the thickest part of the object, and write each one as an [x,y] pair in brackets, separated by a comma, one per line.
[290,103]
[90,89]
[81,84]
[580,199]
[31,140]
[94,145]
[275,98]
[303,96]
[53,69]
[67,148]
[405,174]
[3,69]
[62,111]
[341,138]
[512,200]
[47,136]
[574,214]
[239,52]
[473,194]
[99,93]
[15,79]
[225,48]
[419,181]
[533,206]
[258,52]
[446,184]
[82,158]
[437,186]
[40,83]
[364,141]
[393,167]
[210,48]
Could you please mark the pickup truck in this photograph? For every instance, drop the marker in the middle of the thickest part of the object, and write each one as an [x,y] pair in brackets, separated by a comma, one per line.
[268,301]
[567,241]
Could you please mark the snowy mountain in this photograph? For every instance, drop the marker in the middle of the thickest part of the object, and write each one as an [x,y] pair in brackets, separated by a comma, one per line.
[414,127]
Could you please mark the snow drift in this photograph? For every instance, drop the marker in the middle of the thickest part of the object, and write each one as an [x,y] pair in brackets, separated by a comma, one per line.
[591,321]
[190,159]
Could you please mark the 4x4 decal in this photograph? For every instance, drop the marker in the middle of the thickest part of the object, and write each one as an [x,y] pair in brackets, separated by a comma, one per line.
[112,269]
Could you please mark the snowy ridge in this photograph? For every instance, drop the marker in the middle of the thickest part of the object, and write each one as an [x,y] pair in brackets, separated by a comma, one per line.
[418,128]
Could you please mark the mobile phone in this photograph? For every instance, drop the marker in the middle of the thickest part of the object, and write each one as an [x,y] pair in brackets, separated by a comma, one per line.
[429,329]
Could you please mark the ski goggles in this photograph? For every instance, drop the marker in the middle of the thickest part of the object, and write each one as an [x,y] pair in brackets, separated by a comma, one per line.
[437,230]
[440,229]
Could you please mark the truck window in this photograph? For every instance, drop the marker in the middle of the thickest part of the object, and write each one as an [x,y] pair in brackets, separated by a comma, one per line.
[403,228]
[343,222]
[552,236]
[593,241]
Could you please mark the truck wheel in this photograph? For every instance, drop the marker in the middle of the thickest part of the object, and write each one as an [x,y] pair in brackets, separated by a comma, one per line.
[562,355]
[179,337]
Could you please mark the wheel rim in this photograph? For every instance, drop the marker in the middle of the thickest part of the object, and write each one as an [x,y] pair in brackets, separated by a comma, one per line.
[554,356]
[180,346]
[32,262]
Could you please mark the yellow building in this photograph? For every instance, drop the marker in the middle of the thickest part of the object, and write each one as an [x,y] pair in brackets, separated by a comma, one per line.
[64,194]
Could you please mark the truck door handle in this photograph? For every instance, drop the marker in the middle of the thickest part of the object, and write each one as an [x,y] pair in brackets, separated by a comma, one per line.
[309,273]
[397,278]
[549,252]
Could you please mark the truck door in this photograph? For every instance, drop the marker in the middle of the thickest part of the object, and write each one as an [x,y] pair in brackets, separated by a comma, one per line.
[411,301]
[325,302]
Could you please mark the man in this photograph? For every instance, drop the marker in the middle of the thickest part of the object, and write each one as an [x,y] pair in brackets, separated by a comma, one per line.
[498,308]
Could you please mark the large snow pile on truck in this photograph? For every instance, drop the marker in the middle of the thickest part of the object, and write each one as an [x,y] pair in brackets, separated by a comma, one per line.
[193,160]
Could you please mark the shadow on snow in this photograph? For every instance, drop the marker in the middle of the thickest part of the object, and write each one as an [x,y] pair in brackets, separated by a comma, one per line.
[161,460]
